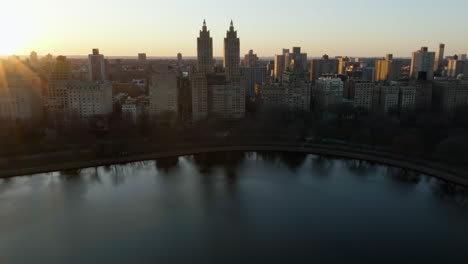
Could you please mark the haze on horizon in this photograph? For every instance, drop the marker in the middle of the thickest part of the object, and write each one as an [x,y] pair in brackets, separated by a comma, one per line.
[164,28]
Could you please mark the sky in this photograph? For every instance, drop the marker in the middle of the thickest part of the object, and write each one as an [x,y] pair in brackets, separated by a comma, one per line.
[164,28]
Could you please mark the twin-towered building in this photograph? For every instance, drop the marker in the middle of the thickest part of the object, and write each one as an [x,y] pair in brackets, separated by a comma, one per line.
[218,94]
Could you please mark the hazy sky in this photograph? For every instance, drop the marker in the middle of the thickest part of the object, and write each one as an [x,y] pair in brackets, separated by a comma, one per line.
[163,28]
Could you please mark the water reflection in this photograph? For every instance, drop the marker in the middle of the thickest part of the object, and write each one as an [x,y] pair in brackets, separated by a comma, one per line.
[404,176]
[167,164]
[323,165]
[450,192]
[360,167]
[228,207]
[293,160]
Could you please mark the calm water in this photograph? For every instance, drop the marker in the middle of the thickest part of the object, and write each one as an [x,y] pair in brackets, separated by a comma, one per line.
[233,208]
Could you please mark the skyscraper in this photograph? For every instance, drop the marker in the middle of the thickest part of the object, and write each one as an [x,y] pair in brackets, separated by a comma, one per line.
[457,68]
[296,57]
[280,64]
[205,50]
[422,65]
[55,100]
[179,58]
[231,54]
[199,85]
[33,58]
[343,63]
[141,57]
[250,59]
[440,57]
[163,93]
[97,67]
[387,69]
[320,67]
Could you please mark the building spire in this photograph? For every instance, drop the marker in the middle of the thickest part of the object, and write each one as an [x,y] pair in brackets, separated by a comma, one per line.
[204,25]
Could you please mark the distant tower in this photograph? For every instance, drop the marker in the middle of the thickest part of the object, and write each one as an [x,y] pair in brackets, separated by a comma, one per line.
[439,57]
[33,58]
[97,67]
[231,54]
[422,65]
[49,57]
[179,58]
[280,65]
[205,50]
[250,59]
[141,57]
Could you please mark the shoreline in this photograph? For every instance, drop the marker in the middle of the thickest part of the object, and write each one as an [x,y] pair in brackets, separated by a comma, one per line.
[425,167]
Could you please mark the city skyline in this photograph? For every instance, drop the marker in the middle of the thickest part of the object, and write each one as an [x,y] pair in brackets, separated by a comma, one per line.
[362,28]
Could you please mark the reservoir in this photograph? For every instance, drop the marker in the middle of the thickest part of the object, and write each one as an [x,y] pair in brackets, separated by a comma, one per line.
[233,207]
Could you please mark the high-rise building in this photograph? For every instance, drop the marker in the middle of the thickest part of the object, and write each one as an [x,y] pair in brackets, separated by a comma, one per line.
[20,96]
[49,57]
[299,59]
[343,63]
[87,99]
[205,51]
[55,95]
[231,54]
[439,57]
[463,57]
[293,95]
[97,66]
[361,93]
[323,66]
[33,58]
[387,69]
[163,93]
[141,57]
[279,65]
[328,92]
[449,95]
[199,85]
[386,98]
[250,59]
[457,68]
[251,76]
[179,58]
[184,98]
[271,68]
[407,98]
[422,65]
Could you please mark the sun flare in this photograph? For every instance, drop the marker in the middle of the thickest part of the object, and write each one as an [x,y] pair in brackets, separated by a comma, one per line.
[17,30]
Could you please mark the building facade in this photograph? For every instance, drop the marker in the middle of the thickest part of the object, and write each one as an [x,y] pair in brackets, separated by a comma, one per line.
[457,68]
[163,93]
[386,98]
[205,51]
[449,95]
[97,66]
[328,92]
[439,57]
[321,67]
[422,65]
[88,99]
[250,59]
[231,62]
[387,69]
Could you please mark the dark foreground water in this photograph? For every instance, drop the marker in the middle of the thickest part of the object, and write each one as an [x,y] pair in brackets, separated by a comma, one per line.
[233,208]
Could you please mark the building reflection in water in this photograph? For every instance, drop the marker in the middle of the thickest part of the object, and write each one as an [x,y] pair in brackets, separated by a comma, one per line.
[450,192]
[360,167]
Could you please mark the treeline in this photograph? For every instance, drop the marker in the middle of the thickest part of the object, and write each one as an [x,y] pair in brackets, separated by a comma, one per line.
[417,134]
